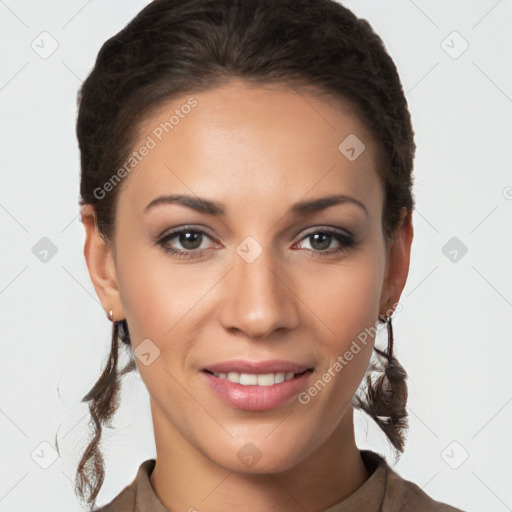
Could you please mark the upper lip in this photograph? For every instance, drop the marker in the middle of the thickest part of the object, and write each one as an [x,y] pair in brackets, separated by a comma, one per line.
[257,367]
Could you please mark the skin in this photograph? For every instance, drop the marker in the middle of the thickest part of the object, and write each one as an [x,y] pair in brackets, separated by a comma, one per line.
[256,150]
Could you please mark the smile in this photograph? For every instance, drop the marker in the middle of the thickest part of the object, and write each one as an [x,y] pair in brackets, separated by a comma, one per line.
[251,379]
[257,391]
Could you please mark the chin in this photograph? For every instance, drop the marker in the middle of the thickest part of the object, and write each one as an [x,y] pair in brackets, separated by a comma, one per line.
[256,458]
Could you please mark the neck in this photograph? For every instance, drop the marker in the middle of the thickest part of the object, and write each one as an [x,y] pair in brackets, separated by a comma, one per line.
[185,479]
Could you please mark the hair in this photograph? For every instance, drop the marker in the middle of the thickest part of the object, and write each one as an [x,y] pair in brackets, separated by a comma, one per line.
[175,47]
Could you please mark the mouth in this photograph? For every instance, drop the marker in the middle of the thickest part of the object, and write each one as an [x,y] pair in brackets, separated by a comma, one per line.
[251,390]
[258,379]
[254,385]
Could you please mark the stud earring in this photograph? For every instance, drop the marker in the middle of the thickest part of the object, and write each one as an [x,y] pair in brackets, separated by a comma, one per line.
[111,316]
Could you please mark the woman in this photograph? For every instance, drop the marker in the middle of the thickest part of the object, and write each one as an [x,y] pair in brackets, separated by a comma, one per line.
[246,193]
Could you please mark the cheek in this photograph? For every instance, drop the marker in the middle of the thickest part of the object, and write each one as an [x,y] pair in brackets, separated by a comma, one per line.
[166,303]
[158,295]
[345,297]
[347,309]
[161,302]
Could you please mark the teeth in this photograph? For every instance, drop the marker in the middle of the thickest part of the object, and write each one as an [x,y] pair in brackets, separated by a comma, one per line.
[250,379]
[247,379]
[233,377]
[266,379]
[280,377]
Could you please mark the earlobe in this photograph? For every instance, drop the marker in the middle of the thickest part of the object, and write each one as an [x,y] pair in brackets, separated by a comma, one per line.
[398,262]
[100,262]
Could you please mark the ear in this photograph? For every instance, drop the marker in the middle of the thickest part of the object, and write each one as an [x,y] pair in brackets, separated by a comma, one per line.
[100,262]
[398,263]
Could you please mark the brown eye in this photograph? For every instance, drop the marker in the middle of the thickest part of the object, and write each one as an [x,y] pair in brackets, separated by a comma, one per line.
[321,240]
[189,239]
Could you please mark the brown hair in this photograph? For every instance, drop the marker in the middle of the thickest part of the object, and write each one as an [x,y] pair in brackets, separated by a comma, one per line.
[173,47]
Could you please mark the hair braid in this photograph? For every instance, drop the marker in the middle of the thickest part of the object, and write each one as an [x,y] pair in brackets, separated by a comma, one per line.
[103,401]
[385,396]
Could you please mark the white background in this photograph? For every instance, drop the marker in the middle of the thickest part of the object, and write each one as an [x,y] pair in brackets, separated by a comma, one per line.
[452,336]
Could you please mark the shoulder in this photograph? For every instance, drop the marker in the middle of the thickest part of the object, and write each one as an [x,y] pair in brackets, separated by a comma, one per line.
[123,502]
[126,500]
[402,494]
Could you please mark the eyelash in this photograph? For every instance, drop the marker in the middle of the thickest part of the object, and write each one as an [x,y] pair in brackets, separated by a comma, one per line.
[346,241]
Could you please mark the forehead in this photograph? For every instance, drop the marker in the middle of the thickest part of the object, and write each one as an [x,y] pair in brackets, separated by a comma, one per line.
[255,144]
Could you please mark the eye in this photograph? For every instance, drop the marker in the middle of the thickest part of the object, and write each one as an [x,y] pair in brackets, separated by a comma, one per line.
[320,240]
[192,242]
[190,239]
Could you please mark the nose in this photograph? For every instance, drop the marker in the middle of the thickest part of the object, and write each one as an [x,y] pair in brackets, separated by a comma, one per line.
[259,298]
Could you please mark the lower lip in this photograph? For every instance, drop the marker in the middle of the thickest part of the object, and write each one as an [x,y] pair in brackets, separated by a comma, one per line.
[257,398]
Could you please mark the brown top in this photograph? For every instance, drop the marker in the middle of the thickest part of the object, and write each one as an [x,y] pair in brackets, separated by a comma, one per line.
[383,491]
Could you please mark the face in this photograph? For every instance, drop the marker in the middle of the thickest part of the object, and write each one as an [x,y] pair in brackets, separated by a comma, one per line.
[236,272]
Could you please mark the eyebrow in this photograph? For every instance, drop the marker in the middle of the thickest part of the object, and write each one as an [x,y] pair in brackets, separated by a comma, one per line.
[209,207]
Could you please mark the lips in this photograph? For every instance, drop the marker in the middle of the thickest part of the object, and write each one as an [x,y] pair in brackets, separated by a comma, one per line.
[257,385]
